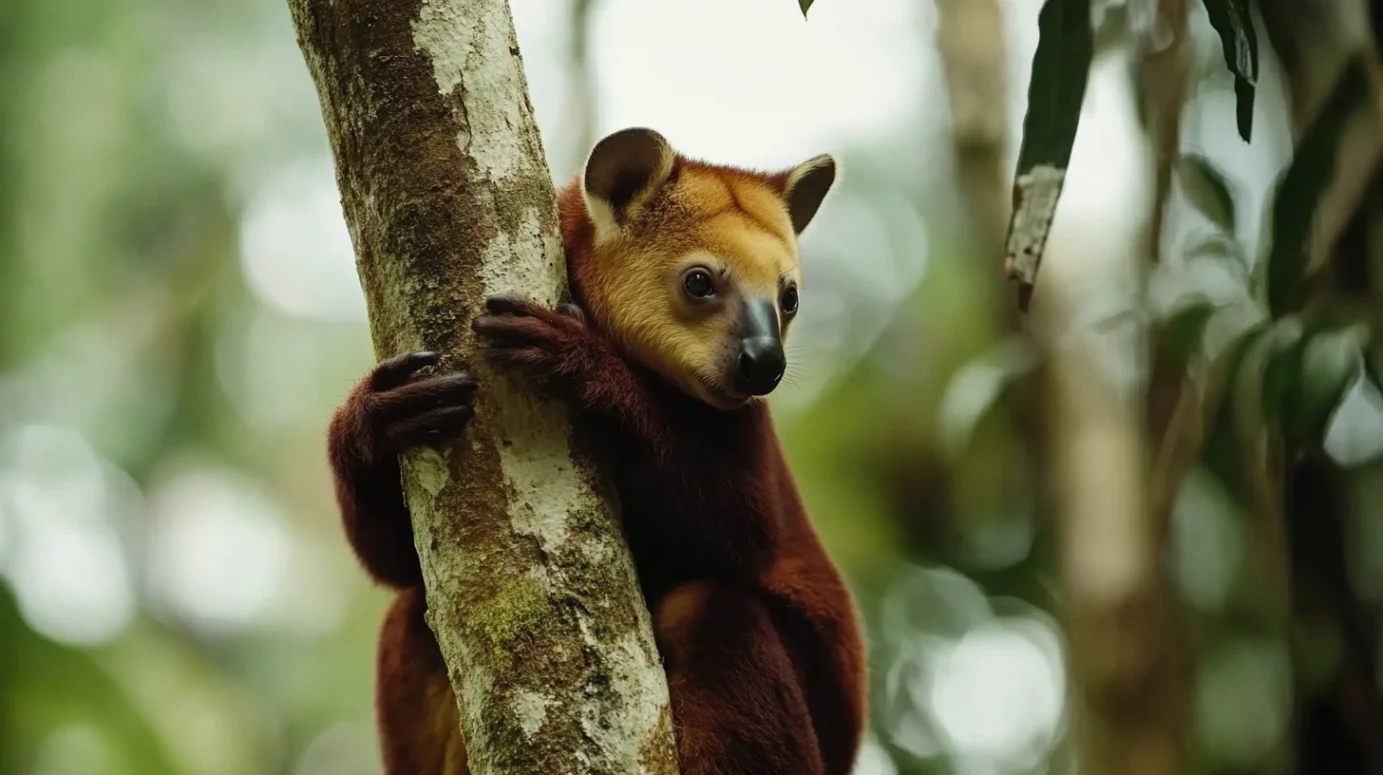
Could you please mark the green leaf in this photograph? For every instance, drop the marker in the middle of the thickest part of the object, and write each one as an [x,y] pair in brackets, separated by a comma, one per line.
[1060,69]
[804,5]
[1299,191]
[1233,20]
[1231,359]
[1222,247]
[1236,369]
[1185,329]
[1330,362]
[1207,190]
[1281,365]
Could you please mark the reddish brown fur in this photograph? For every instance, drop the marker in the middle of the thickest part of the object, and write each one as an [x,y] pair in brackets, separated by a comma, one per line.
[755,625]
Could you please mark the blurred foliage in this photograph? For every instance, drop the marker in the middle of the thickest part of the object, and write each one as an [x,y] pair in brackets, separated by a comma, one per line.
[1262,406]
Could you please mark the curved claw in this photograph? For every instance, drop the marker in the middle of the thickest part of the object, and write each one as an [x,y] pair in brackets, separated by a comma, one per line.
[430,426]
[508,305]
[396,370]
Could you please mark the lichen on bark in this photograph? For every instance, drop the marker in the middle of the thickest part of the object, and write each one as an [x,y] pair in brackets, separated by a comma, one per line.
[530,588]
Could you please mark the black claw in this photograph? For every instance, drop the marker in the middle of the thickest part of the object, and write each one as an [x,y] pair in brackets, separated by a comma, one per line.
[455,389]
[429,426]
[394,371]
[411,362]
[506,305]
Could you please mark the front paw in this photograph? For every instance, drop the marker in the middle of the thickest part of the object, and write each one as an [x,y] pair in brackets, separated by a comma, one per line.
[545,344]
[397,411]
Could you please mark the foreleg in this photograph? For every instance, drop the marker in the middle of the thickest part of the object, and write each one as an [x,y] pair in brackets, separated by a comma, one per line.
[388,412]
[560,351]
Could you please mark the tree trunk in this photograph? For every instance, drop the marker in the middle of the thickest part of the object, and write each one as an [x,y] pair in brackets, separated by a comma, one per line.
[529,584]
[972,44]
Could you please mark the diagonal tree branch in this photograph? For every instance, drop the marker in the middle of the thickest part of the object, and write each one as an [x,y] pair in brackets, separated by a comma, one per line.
[529,585]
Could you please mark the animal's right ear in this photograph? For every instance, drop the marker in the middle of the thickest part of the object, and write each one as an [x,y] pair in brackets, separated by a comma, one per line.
[623,171]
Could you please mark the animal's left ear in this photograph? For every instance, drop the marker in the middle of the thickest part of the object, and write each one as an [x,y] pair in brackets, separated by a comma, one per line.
[805,186]
[622,173]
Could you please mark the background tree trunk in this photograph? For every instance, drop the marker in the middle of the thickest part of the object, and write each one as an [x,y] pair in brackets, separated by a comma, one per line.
[972,44]
[530,587]
[1117,457]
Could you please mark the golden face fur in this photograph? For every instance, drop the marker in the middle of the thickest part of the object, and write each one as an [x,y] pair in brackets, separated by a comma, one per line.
[667,228]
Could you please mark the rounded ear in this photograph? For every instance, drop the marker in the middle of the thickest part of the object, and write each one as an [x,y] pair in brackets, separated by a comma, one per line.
[806,186]
[623,171]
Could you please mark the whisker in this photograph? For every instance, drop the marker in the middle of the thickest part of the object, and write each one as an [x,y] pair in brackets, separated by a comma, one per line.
[795,367]
[793,374]
[799,352]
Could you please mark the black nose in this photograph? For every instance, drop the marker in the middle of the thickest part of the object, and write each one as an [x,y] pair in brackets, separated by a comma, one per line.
[760,365]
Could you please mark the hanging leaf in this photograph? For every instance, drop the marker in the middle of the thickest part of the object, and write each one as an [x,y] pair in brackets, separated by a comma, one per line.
[1373,371]
[1060,69]
[1222,248]
[1329,364]
[1281,365]
[1233,371]
[1233,20]
[1299,192]
[1207,190]
[804,5]
[1232,357]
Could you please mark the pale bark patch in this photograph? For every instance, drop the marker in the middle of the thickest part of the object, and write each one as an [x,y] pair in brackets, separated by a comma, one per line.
[530,708]
[465,51]
[430,468]
[1038,193]
[631,677]
[533,279]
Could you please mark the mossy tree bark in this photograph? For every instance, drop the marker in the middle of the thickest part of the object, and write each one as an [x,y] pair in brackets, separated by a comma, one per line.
[530,588]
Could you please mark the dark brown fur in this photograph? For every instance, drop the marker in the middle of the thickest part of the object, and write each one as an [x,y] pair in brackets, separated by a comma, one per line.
[755,625]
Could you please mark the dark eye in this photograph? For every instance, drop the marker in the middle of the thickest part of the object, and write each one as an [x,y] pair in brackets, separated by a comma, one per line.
[789,301]
[698,284]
